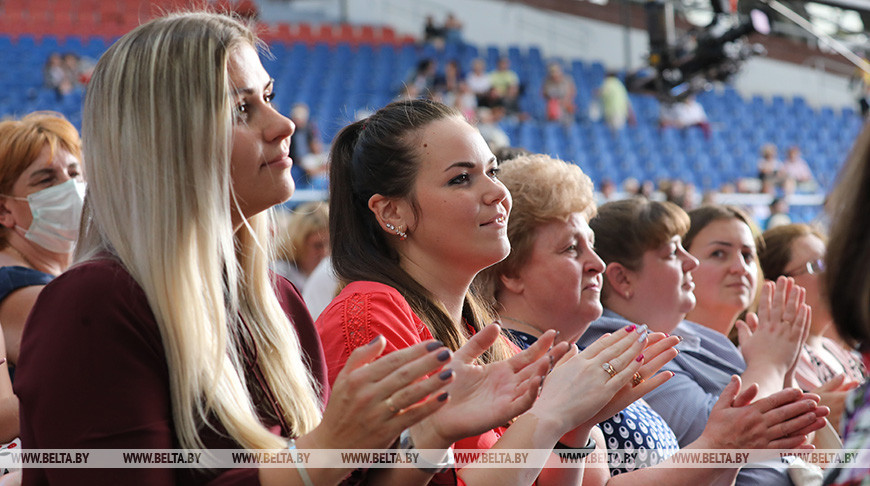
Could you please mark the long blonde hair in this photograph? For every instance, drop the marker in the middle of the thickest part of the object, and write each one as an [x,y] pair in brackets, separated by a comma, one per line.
[158,128]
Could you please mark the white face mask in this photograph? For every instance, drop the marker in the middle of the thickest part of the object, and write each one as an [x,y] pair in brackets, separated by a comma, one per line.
[56,212]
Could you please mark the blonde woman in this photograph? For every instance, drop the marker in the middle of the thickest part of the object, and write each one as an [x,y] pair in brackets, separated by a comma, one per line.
[302,241]
[169,332]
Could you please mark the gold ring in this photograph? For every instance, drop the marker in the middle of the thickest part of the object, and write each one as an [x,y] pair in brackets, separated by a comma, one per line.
[609,369]
[392,408]
[636,379]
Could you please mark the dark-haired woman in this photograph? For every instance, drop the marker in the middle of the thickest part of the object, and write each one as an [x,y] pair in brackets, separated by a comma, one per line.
[417,212]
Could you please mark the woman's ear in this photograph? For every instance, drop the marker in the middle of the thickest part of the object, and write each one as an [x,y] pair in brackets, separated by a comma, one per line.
[392,214]
[619,279]
[6,218]
[512,283]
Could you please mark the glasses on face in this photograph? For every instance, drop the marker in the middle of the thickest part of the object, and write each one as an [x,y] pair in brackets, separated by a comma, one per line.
[810,268]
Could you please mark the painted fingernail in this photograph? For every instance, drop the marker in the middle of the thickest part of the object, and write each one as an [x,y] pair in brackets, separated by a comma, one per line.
[630,328]
[639,358]
[443,355]
[642,329]
[667,335]
[680,339]
[446,374]
[373,341]
[442,397]
[434,345]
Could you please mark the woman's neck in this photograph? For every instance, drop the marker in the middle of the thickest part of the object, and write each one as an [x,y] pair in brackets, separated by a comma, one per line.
[634,313]
[719,321]
[446,288]
[31,255]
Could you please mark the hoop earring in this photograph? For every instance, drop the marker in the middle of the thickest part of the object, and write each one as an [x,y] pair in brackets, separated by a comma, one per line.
[401,234]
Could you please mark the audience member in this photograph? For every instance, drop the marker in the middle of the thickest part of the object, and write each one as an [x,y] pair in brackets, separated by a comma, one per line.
[41,190]
[798,251]
[56,76]
[433,34]
[685,114]
[409,233]
[302,241]
[795,169]
[478,79]
[41,193]
[848,293]
[552,279]
[505,89]
[559,92]
[306,148]
[452,29]
[768,165]
[778,215]
[654,284]
[615,104]
[493,134]
[190,342]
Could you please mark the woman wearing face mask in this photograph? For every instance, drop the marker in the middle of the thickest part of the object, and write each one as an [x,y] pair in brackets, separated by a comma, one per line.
[40,207]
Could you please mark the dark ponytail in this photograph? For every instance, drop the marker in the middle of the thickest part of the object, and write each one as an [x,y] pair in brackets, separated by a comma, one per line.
[377,156]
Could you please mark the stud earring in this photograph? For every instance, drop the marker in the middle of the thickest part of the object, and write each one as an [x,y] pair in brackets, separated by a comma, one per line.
[401,234]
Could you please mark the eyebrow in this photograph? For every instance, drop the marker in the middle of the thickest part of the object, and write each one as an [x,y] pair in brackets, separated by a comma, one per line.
[729,244]
[41,173]
[469,165]
[250,91]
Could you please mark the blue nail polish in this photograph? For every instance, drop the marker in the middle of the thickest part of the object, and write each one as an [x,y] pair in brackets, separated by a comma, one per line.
[443,396]
[446,374]
[443,355]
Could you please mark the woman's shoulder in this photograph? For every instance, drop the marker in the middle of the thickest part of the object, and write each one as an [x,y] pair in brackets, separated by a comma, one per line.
[105,277]
[368,296]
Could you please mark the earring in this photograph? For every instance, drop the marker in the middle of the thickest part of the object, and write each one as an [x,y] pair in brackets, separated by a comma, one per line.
[402,235]
[628,294]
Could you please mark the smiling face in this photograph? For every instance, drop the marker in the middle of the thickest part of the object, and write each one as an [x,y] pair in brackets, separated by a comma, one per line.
[727,274]
[561,281]
[456,215]
[260,162]
[662,288]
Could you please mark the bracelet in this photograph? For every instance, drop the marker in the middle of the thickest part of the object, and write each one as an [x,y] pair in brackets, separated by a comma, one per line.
[303,473]
[406,443]
[576,452]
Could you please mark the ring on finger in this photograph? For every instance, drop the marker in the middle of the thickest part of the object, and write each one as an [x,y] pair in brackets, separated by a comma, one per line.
[637,379]
[392,408]
[609,369]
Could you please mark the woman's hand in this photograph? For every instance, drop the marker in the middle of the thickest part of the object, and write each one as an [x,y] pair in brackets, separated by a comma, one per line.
[833,395]
[373,400]
[779,421]
[580,392]
[771,340]
[483,397]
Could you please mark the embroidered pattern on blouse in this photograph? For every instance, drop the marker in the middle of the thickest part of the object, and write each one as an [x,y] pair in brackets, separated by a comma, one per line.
[356,322]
